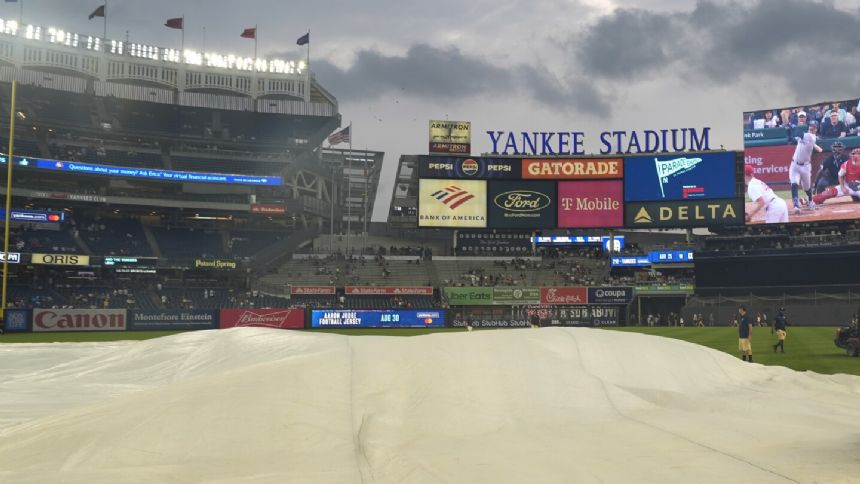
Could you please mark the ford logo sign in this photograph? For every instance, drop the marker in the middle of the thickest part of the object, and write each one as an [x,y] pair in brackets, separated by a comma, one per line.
[522,201]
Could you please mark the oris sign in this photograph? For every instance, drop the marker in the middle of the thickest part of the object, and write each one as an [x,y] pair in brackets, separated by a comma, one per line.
[79,320]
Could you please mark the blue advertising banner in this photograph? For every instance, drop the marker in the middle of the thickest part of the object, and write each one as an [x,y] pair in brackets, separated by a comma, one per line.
[177,176]
[610,295]
[670,256]
[630,261]
[171,320]
[33,216]
[468,167]
[689,176]
[373,318]
[17,321]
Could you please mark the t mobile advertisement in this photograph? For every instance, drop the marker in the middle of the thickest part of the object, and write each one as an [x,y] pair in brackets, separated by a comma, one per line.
[585,204]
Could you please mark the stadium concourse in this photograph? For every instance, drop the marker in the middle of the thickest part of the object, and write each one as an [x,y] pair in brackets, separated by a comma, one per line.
[256,405]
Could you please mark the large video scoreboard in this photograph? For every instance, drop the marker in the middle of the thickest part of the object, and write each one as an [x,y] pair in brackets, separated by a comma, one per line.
[653,191]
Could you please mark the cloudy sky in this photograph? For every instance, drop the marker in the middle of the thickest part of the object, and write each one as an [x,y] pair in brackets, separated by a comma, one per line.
[521,65]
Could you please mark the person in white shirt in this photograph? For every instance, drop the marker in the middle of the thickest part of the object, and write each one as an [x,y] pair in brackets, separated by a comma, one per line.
[763,198]
[800,172]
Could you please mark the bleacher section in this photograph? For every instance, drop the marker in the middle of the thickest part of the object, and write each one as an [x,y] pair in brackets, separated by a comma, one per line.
[366,271]
[186,243]
[114,237]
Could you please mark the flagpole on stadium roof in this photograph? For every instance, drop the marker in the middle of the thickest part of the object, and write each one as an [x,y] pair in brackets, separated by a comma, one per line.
[104,24]
[366,181]
[9,157]
[349,190]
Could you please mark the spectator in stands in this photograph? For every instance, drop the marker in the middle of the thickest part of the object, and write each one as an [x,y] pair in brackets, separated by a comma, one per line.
[833,127]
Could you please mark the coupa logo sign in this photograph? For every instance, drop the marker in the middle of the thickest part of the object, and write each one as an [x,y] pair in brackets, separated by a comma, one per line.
[469,167]
[452,196]
[614,293]
[667,169]
[522,201]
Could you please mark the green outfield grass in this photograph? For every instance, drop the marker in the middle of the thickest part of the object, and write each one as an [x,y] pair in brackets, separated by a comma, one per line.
[807,348]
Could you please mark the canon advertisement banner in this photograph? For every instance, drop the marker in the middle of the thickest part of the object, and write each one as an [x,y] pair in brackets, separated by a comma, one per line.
[590,204]
[691,176]
[467,167]
[575,169]
[452,203]
[576,315]
[45,320]
[522,204]
[563,295]
[373,318]
[610,295]
[17,321]
[312,290]
[171,320]
[393,291]
[291,318]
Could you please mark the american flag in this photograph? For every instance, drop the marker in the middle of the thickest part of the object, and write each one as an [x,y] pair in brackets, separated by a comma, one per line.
[341,136]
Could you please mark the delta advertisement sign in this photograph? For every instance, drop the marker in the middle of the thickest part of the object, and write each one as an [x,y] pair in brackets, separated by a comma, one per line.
[287,318]
[452,203]
[69,320]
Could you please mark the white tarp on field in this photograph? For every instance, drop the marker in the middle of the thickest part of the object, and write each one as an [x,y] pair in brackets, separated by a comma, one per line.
[259,406]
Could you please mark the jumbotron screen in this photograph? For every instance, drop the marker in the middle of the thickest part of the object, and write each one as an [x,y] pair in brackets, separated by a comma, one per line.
[802,163]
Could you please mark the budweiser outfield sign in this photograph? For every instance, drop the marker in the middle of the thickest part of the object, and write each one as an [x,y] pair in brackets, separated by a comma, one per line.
[391,291]
[291,318]
[79,320]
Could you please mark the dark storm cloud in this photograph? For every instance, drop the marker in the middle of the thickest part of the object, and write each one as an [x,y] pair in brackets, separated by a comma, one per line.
[448,74]
[810,44]
[626,43]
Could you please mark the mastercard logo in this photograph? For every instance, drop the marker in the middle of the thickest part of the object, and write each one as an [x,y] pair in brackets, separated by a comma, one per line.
[53,217]
[469,167]
[428,320]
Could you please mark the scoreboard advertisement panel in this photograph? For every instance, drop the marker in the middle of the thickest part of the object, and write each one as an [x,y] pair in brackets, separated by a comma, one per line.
[468,167]
[686,189]
[452,203]
[522,204]
[585,204]
[680,177]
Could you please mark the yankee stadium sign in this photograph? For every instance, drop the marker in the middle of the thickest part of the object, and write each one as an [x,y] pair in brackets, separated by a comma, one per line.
[564,143]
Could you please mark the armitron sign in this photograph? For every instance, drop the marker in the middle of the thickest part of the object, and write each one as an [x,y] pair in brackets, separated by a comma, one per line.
[61,259]
[450,136]
[78,320]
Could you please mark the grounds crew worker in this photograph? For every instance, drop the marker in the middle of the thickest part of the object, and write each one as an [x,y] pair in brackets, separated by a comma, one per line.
[745,335]
[779,324]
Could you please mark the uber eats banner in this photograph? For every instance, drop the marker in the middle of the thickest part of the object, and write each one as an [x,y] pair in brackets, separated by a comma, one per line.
[522,204]
[469,296]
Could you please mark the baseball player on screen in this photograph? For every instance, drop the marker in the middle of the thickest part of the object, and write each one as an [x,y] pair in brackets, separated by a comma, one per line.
[776,210]
[800,172]
[849,180]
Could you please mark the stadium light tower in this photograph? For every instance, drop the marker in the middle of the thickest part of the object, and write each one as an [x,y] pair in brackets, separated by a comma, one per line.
[9,157]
